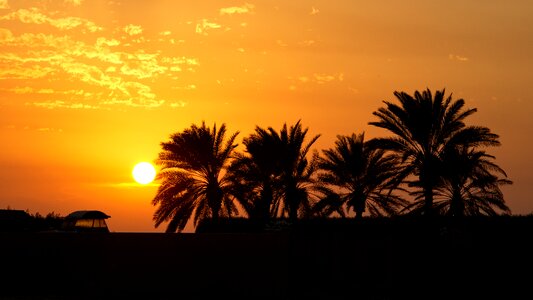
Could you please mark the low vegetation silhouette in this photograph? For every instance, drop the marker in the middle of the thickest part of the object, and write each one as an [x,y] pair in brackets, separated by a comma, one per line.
[432,164]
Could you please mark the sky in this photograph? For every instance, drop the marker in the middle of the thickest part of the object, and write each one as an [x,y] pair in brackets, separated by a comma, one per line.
[90,88]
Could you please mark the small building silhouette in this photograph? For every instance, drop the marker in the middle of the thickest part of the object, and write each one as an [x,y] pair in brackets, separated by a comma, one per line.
[86,221]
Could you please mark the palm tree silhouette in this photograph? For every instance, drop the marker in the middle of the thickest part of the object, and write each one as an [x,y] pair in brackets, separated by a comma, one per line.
[423,126]
[363,176]
[274,176]
[296,179]
[254,174]
[470,185]
[193,183]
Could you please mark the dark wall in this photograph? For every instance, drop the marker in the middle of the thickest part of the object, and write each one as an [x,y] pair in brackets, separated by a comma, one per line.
[376,262]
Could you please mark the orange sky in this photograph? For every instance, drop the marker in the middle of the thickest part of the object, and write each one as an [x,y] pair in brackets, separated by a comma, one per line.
[89,88]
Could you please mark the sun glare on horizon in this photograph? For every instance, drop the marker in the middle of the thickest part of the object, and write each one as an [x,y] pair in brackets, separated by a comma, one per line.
[144,172]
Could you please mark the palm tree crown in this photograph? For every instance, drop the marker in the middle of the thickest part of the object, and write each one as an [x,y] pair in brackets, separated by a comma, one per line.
[193,183]
[274,176]
[423,126]
[470,185]
[363,176]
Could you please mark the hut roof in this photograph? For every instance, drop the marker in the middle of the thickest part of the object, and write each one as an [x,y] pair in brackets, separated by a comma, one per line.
[87,214]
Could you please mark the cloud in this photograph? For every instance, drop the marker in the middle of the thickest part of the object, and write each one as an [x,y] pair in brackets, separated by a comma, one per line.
[182,60]
[103,41]
[142,69]
[125,92]
[133,29]
[165,33]
[318,78]
[30,90]
[34,16]
[4,4]
[123,78]
[322,78]
[27,72]
[244,9]
[19,90]
[314,11]
[49,129]
[45,91]
[74,2]
[457,57]
[62,104]
[307,43]
[204,25]
[178,104]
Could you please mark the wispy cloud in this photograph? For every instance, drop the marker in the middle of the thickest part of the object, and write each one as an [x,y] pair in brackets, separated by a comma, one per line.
[99,72]
[133,29]
[103,41]
[74,2]
[244,9]
[47,91]
[204,25]
[307,43]
[121,75]
[178,104]
[63,104]
[457,57]
[322,78]
[318,78]
[49,129]
[19,90]
[26,72]
[35,16]
[4,4]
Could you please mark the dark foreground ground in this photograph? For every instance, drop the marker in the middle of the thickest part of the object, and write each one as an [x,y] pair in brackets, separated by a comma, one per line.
[478,259]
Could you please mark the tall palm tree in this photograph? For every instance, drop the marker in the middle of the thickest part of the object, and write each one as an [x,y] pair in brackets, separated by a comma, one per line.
[363,176]
[193,181]
[255,173]
[297,177]
[275,176]
[424,125]
[470,185]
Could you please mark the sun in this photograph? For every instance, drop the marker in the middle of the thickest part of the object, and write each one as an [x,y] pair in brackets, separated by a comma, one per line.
[143,172]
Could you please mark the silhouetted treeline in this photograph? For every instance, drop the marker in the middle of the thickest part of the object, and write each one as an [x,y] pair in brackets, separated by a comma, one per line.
[13,220]
[432,163]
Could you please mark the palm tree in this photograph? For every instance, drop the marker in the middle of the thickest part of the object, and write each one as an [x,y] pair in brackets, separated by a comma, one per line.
[193,181]
[254,174]
[297,178]
[470,185]
[424,125]
[274,176]
[363,176]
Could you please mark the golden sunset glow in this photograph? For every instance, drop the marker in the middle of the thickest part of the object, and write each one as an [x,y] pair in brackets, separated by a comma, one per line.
[88,87]
[144,172]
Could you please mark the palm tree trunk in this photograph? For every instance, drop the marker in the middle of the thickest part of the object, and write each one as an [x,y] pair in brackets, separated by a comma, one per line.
[265,202]
[428,200]
[456,203]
